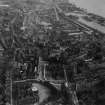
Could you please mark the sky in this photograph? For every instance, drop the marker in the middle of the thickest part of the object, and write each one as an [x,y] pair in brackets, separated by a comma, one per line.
[94,6]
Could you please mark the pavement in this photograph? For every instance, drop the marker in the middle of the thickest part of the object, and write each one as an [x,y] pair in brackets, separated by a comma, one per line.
[92,24]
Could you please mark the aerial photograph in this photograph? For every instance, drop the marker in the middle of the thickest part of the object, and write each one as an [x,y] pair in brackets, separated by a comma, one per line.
[52,52]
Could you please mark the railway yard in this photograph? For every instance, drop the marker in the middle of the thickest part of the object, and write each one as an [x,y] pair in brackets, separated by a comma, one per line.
[51,53]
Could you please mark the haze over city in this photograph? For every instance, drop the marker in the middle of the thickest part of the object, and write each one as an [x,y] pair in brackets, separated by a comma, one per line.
[94,6]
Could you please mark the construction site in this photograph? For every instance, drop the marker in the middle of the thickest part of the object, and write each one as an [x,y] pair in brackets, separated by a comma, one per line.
[51,53]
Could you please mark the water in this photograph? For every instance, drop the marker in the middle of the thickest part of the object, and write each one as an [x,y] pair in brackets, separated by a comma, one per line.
[93,6]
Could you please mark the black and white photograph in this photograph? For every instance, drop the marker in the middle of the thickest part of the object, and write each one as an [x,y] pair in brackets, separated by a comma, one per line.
[52,52]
